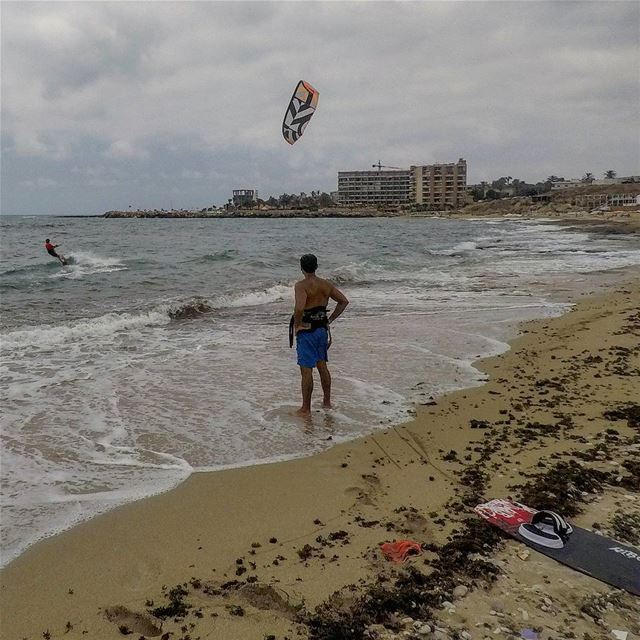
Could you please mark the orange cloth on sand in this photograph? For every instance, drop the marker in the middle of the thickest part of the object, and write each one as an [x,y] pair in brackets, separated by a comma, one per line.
[400,550]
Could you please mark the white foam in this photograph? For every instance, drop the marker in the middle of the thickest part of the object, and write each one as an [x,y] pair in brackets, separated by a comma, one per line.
[83,263]
[102,326]
[276,293]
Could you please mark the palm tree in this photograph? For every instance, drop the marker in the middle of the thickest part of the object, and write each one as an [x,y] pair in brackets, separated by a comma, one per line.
[588,177]
[610,174]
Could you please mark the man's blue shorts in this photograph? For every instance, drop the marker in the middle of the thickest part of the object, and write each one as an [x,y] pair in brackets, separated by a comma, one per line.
[312,347]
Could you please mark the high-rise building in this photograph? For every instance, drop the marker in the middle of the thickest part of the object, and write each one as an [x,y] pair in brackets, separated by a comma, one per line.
[244,197]
[374,187]
[440,186]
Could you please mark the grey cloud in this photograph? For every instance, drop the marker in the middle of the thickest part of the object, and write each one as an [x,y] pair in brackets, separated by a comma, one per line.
[199,89]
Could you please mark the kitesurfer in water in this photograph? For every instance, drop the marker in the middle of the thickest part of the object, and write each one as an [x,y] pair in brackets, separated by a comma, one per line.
[310,325]
[51,250]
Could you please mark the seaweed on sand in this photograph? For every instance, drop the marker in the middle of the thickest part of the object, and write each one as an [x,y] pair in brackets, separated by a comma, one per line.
[629,412]
[348,612]
[177,607]
[563,487]
[626,527]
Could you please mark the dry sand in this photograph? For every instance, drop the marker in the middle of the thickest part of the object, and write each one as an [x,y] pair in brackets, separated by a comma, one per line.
[544,400]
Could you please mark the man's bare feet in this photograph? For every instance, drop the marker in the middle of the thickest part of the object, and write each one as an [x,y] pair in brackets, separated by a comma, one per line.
[303,413]
[327,404]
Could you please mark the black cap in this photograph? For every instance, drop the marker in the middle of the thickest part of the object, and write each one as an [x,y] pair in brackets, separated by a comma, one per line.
[47,240]
[309,263]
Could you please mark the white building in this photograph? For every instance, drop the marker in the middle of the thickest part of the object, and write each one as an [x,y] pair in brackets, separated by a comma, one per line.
[558,185]
[440,186]
[374,187]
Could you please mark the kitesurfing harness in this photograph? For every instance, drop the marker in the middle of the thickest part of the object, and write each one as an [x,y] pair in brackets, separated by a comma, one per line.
[316,317]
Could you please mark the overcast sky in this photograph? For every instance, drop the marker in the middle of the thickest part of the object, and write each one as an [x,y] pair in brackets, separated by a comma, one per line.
[153,104]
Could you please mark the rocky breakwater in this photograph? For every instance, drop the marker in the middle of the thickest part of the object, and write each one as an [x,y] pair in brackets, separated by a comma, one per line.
[255,213]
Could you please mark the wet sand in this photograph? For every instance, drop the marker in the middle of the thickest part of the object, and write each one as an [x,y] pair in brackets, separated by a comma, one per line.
[290,534]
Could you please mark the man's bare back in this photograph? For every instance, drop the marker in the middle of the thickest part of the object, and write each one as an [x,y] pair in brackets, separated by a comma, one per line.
[312,292]
[317,291]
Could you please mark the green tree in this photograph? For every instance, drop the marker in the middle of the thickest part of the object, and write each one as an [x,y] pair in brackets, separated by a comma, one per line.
[610,174]
[325,200]
[588,177]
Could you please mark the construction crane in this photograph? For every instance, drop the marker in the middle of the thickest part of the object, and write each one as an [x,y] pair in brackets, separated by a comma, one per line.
[384,166]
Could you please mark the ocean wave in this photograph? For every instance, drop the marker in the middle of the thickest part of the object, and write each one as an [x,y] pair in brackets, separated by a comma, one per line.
[459,249]
[218,256]
[190,309]
[361,273]
[41,267]
[275,293]
[83,263]
[105,325]
[79,263]
[109,324]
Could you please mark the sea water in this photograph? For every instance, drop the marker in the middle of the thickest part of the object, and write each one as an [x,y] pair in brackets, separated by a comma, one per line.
[162,349]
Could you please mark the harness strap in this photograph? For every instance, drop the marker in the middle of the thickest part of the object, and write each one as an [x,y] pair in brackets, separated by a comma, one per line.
[316,317]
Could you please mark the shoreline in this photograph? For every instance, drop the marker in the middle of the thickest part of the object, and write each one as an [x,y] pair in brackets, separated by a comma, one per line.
[59,525]
[554,298]
[122,557]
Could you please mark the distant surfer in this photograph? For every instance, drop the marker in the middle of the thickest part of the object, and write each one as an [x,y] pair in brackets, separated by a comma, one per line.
[310,325]
[51,250]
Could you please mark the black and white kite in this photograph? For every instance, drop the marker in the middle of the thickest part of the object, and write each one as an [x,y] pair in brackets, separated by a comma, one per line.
[302,106]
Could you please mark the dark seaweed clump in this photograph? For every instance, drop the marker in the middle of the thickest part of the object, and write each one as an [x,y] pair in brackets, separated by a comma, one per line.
[632,481]
[629,412]
[626,527]
[562,488]
[348,612]
[177,607]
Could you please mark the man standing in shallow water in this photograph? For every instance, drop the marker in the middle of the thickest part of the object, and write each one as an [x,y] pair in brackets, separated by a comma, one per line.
[311,327]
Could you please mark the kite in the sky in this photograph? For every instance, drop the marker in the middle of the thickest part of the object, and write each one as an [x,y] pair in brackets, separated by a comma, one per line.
[302,106]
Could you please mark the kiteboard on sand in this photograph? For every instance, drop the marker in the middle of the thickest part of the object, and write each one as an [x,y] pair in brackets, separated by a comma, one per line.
[548,533]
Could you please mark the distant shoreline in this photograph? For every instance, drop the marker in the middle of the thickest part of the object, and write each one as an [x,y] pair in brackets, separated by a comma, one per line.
[254,213]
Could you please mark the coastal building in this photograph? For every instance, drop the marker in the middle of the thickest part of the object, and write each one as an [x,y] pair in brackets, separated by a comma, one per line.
[374,187]
[620,180]
[440,186]
[559,185]
[624,200]
[244,197]
[595,200]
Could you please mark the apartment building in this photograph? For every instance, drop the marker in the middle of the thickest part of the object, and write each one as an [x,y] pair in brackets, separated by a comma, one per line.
[440,186]
[374,187]
[244,197]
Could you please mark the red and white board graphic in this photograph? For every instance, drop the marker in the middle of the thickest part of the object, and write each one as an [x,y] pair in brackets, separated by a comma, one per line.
[506,514]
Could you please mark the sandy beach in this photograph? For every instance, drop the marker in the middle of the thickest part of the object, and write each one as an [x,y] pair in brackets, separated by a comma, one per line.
[257,552]
[179,179]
